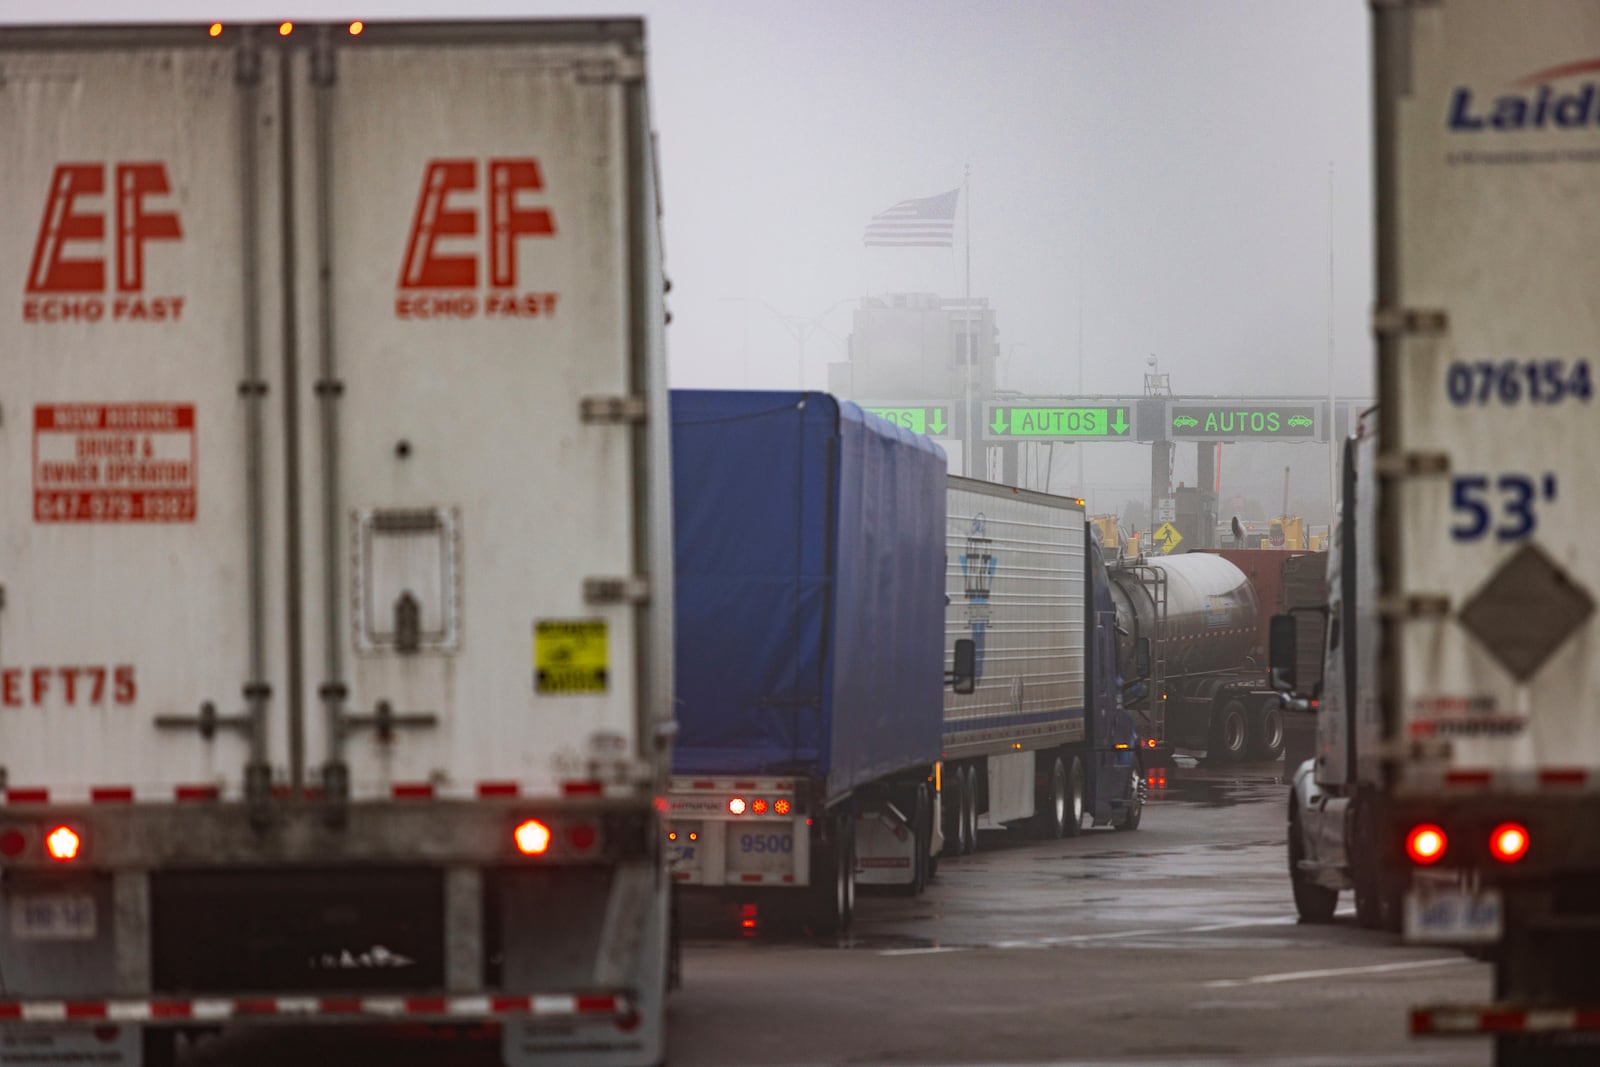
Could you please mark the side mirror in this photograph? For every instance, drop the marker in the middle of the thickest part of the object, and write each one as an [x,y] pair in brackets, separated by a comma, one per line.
[964,679]
[1141,658]
[1282,638]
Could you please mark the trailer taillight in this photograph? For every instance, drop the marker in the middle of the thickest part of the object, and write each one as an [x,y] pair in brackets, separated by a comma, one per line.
[533,838]
[782,806]
[582,837]
[1509,842]
[63,843]
[1425,844]
[758,807]
[736,805]
[12,843]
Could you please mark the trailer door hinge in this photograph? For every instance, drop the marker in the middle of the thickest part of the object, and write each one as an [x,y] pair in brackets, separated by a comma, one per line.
[1391,321]
[609,410]
[1412,464]
[604,590]
[1415,606]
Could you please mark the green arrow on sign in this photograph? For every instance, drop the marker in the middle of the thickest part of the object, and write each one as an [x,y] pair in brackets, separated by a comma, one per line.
[936,424]
[999,420]
[1120,423]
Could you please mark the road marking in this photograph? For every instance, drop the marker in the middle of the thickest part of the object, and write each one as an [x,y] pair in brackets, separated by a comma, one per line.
[1334,972]
[1117,935]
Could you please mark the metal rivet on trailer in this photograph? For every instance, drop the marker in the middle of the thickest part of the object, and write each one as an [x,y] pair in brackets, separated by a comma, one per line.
[402,449]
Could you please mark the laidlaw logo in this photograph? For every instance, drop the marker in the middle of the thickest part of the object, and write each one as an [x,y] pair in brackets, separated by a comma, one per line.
[444,274]
[67,285]
[1535,106]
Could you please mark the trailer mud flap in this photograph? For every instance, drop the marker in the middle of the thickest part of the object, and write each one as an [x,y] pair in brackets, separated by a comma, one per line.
[632,1038]
[53,1046]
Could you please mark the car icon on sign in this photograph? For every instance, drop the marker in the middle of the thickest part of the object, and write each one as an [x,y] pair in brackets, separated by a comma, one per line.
[1300,420]
[1185,420]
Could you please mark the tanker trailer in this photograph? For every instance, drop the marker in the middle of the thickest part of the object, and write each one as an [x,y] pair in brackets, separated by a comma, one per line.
[1206,689]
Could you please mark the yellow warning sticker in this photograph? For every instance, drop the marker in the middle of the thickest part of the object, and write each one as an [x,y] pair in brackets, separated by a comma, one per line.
[570,656]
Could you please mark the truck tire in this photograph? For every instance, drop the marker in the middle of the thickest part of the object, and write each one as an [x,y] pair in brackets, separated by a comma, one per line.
[160,1046]
[833,882]
[1266,730]
[1133,812]
[1051,802]
[1313,903]
[969,812]
[1075,792]
[1230,730]
[1379,893]
[921,812]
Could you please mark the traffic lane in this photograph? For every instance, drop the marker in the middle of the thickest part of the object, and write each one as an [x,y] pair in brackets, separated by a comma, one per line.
[1247,995]
[1172,942]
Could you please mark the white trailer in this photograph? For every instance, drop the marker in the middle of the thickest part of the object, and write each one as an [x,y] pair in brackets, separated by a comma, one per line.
[1042,734]
[335,570]
[1473,750]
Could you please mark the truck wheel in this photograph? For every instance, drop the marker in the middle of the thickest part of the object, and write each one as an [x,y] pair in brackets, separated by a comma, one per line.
[160,1046]
[1313,903]
[1266,730]
[921,840]
[1050,820]
[1075,790]
[1134,811]
[833,884]
[969,813]
[1230,731]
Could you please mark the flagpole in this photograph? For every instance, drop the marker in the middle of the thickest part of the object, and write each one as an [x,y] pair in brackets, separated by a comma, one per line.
[968,444]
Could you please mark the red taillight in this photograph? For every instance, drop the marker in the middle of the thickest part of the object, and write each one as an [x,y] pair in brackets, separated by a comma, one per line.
[747,918]
[533,838]
[1425,844]
[12,843]
[758,807]
[582,836]
[1151,743]
[1509,842]
[736,805]
[63,844]
[781,806]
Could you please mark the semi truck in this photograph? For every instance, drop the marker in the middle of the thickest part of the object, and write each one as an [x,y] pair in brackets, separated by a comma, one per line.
[1042,738]
[335,566]
[1470,722]
[809,540]
[1207,687]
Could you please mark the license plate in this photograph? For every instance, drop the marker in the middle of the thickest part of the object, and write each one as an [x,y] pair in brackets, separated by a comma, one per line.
[53,917]
[1454,916]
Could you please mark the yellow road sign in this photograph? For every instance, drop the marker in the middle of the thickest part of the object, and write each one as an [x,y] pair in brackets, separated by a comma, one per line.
[1166,538]
[570,656]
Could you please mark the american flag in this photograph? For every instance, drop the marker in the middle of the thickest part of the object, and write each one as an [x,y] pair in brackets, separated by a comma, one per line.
[926,223]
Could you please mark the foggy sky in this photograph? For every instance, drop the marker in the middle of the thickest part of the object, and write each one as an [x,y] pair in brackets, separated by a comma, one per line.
[1162,166]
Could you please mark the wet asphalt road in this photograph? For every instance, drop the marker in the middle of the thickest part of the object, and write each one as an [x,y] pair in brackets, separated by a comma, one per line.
[1175,944]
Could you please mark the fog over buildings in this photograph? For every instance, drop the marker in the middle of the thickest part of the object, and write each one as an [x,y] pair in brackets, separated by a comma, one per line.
[1178,179]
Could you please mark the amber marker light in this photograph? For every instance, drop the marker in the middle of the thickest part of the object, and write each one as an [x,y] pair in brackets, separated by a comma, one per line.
[285,29]
[1509,842]
[356,28]
[63,844]
[216,29]
[533,838]
[1425,844]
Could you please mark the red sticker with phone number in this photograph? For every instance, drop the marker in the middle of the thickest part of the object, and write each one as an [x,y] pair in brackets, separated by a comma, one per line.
[114,463]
